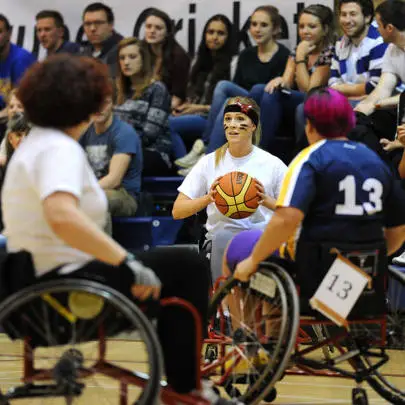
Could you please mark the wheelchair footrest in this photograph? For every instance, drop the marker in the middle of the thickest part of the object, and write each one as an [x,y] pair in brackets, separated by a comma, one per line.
[50,390]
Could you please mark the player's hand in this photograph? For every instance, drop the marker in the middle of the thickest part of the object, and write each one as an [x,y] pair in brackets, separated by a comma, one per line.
[147,284]
[388,145]
[366,108]
[213,190]
[274,84]
[264,199]
[245,269]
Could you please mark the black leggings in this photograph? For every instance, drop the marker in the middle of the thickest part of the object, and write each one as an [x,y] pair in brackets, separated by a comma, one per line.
[183,274]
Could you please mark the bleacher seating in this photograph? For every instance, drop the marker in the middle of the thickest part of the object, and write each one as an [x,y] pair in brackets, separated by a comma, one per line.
[159,228]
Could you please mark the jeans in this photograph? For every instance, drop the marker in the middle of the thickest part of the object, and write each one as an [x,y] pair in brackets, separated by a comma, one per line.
[273,108]
[183,127]
[214,130]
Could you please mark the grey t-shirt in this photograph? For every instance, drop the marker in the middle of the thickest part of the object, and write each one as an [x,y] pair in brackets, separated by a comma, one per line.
[120,137]
[394,62]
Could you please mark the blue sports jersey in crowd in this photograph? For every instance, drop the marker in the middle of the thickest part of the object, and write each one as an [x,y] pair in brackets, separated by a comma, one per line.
[12,69]
[346,192]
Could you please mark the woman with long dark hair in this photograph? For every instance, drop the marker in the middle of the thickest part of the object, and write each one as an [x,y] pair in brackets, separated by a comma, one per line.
[171,62]
[144,103]
[211,65]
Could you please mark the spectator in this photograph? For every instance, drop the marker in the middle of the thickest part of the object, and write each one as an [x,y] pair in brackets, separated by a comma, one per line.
[212,64]
[307,67]
[50,29]
[14,106]
[390,17]
[115,154]
[258,64]
[13,63]
[17,129]
[171,62]
[98,24]
[357,63]
[144,104]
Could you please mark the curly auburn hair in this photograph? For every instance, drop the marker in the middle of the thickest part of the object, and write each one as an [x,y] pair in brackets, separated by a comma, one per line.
[64,91]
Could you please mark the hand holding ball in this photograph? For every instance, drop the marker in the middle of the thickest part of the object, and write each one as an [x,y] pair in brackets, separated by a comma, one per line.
[237,195]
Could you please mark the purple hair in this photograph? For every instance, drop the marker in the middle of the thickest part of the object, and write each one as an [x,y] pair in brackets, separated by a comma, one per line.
[330,113]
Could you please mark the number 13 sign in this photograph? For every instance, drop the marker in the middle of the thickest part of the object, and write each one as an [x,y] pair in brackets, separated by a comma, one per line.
[340,290]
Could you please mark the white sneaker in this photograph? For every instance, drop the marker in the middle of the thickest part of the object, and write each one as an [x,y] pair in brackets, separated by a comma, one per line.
[191,158]
[185,172]
[208,393]
[399,259]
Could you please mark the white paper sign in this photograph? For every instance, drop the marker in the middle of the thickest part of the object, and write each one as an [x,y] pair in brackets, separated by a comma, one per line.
[340,290]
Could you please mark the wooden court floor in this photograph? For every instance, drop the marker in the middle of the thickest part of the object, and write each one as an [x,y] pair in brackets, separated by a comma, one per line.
[292,390]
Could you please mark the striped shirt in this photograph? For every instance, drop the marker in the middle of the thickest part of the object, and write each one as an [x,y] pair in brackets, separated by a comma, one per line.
[367,63]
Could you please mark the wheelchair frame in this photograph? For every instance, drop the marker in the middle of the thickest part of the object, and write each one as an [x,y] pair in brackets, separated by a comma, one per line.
[125,378]
[356,350]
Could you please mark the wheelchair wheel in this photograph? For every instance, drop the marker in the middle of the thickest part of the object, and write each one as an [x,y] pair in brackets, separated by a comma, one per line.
[388,380]
[254,327]
[82,342]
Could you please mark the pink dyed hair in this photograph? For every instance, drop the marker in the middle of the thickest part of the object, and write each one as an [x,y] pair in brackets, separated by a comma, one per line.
[330,113]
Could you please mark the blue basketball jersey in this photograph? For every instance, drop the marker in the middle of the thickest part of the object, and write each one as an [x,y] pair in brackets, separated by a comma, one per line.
[346,192]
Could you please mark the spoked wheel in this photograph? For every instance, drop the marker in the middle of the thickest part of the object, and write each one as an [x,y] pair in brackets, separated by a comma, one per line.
[389,380]
[254,326]
[90,344]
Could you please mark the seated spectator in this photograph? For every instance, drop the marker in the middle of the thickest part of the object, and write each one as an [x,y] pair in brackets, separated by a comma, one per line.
[50,30]
[13,63]
[390,17]
[145,105]
[98,24]
[258,64]
[14,106]
[211,65]
[357,62]
[17,129]
[115,154]
[171,62]
[308,67]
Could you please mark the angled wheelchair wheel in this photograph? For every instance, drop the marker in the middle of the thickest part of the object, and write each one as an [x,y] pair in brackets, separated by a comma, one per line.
[253,329]
[83,342]
[388,379]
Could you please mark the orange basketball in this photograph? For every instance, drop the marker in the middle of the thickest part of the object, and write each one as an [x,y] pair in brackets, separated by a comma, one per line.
[236,195]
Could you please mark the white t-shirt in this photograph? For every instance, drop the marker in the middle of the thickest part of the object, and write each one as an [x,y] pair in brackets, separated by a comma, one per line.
[268,169]
[394,61]
[45,162]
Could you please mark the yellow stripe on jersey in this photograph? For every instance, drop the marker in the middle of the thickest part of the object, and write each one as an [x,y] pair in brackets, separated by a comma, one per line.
[293,172]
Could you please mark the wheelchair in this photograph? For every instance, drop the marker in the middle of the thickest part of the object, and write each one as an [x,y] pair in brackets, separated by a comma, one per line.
[264,329]
[78,346]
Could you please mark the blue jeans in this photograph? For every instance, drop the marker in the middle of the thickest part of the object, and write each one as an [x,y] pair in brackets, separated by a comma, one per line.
[273,108]
[214,131]
[185,126]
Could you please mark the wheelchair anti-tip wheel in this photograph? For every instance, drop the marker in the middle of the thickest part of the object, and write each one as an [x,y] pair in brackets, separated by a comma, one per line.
[253,328]
[89,343]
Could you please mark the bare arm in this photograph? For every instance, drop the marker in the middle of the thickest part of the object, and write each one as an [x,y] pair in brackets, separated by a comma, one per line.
[69,223]
[185,206]
[395,238]
[118,167]
[351,90]
[306,82]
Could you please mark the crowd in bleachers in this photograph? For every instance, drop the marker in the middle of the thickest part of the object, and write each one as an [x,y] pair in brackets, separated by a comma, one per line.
[167,110]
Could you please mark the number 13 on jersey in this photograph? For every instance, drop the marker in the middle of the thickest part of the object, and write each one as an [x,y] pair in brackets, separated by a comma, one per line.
[340,290]
[372,186]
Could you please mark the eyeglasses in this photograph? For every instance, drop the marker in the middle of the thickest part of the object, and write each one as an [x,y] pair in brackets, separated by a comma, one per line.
[96,23]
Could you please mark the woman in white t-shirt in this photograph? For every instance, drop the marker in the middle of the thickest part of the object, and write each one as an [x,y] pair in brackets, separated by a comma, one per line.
[55,210]
[242,130]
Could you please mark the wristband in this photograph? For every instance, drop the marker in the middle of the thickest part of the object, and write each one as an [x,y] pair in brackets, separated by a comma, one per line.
[300,61]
